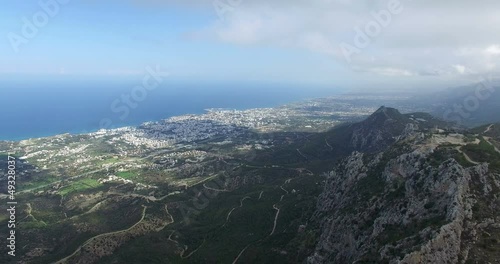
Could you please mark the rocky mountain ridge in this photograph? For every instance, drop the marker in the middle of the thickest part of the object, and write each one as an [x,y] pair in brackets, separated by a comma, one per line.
[415,201]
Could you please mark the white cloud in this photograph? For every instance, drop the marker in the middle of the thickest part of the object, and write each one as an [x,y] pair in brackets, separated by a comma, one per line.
[425,35]
[493,50]
[460,68]
[388,71]
[428,39]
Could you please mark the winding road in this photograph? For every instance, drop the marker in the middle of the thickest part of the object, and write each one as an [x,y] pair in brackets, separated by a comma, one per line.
[275,218]
[64,260]
[298,150]
[185,248]
[278,209]
[230,212]
[328,144]
[212,189]
[487,139]
[118,232]
[239,255]
[488,129]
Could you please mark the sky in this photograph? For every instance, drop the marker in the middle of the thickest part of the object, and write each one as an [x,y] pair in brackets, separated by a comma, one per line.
[364,44]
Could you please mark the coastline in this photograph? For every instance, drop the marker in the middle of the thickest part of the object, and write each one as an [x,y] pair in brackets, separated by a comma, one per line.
[131,125]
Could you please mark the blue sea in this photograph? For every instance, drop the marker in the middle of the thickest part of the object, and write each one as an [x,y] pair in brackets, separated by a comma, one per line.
[32,109]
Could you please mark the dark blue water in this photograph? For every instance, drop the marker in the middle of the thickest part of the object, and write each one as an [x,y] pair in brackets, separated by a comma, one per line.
[46,107]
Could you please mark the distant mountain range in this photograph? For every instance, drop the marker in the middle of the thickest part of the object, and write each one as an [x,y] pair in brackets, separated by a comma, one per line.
[468,105]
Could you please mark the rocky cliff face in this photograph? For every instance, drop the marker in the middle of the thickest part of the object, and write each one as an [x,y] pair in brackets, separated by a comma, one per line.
[408,204]
[378,131]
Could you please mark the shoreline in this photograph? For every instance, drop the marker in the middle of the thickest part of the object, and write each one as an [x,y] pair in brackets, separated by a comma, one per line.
[95,130]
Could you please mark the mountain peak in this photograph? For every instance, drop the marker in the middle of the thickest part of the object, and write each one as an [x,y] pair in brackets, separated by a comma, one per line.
[387,111]
[383,114]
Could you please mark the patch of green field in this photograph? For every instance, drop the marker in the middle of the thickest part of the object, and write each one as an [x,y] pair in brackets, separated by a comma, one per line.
[40,181]
[107,161]
[80,185]
[128,175]
[33,225]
